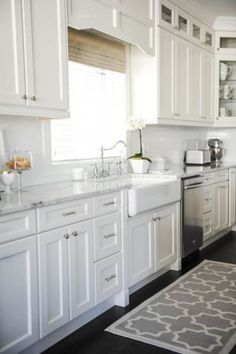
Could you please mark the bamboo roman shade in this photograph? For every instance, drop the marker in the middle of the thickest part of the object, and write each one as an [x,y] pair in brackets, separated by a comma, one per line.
[91,49]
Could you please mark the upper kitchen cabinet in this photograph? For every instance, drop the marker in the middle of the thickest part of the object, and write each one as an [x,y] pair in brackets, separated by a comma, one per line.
[173,18]
[33,68]
[226,42]
[131,21]
[208,38]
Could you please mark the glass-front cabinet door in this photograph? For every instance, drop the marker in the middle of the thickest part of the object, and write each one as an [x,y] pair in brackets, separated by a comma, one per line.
[182,23]
[196,31]
[167,15]
[227,90]
[226,42]
[208,38]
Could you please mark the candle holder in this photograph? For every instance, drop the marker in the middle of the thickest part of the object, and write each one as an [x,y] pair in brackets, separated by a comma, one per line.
[20,161]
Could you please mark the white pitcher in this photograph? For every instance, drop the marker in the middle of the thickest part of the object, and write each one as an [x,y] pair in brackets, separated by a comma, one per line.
[225,70]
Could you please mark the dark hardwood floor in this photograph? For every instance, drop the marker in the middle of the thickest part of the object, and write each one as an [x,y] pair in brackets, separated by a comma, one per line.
[91,338]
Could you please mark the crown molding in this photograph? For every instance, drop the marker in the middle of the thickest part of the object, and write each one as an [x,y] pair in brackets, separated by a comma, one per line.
[225,23]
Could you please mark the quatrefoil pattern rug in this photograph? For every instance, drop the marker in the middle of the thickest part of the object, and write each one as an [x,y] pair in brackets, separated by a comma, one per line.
[196,314]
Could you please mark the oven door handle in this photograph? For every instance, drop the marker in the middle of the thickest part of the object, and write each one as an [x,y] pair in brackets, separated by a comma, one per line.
[197,185]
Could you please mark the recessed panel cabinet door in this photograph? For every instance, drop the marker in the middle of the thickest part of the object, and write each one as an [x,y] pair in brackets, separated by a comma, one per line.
[140,248]
[81,278]
[166,69]
[18,295]
[207,72]
[182,73]
[166,236]
[195,83]
[12,78]
[53,280]
[46,53]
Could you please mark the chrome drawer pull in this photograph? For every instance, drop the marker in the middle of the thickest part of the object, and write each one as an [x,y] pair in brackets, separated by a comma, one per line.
[69,213]
[110,277]
[109,235]
[66,236]
[75,233]
[109,203]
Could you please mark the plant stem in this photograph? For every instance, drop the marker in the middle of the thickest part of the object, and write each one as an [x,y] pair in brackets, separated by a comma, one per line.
[140,140]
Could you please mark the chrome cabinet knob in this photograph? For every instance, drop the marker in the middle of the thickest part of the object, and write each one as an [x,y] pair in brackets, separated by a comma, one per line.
[66,236]
[33,98]
[75,233]
[24,97]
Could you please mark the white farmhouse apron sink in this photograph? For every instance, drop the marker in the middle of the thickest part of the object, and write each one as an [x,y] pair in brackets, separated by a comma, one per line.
[150,193]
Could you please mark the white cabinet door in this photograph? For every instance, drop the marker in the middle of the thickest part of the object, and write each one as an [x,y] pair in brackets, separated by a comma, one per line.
[166,236]
[207,85]
[81,278]
[18,295]
[166,13]
[224,205]
[12,76]
[46,53]
[182,71]
[140,248]
[53,280]
[221,200]
[195,82]
[208,226]
[232,196]
[166,77]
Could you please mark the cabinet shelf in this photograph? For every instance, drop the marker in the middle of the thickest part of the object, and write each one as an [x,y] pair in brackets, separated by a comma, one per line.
[229,100]
[229,80]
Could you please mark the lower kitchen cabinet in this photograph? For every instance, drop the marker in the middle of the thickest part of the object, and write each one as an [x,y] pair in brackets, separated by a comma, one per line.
[232,196]
[65,275]
[166,235]
[18,295]
[140,233]
[221,202]
[152,242]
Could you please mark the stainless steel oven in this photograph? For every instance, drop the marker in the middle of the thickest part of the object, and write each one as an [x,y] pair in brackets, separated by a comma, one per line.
[192,213]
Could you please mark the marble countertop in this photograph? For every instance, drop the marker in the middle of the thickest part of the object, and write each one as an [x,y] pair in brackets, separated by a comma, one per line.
[53,193]
[184,171]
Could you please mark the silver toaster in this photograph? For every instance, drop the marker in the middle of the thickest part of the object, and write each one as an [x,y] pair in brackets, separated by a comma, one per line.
[197,157]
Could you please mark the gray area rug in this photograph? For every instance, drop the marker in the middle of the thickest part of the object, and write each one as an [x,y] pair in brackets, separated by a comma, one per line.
[195,314]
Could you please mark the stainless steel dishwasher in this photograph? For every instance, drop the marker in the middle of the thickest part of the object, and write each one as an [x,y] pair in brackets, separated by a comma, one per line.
[192,213]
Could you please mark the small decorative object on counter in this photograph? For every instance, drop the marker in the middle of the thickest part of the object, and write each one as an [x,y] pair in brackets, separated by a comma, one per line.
[20,161]
[7,178]
[139,163]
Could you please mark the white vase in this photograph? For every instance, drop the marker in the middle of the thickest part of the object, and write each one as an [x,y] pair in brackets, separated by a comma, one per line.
[140,165]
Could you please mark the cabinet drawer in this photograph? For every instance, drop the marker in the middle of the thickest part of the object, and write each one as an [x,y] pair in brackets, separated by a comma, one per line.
[108,277]
[107,203]
[209,178]
[222,175]
[14,226]
[63,214]
[207,199]
[207,226]
[107,236]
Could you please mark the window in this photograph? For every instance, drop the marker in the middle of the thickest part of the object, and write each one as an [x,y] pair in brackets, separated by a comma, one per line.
[98,109]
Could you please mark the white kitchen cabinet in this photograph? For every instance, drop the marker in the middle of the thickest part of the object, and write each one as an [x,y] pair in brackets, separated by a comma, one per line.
[131,20]
[182,73]
[166,75]
[34,58]
[207,87]
[65,275]
[152,242]
[195,82]
[221,202]
[81,275]
[53,280]
[18,295]
[12,74]
[108,277]
[232,196]
[166,235]
[208,225]
[141,262]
